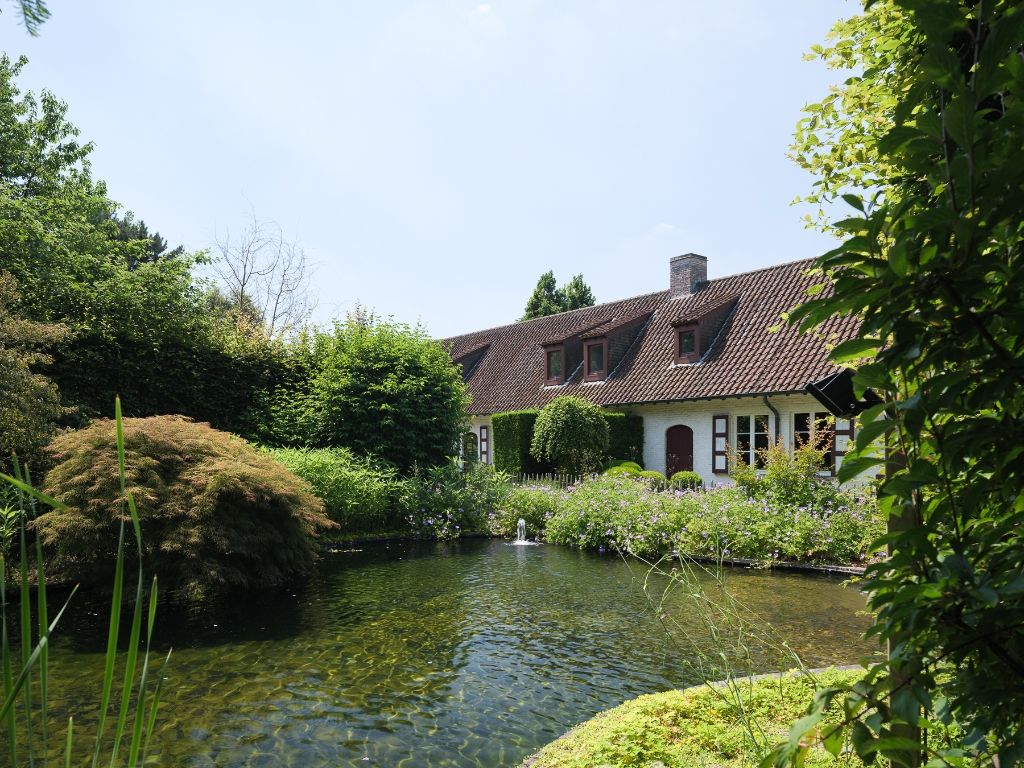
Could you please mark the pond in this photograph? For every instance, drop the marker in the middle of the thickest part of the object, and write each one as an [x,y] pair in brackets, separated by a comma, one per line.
[469,654]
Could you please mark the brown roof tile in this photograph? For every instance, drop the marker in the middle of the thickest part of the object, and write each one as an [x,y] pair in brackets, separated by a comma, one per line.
[746,358]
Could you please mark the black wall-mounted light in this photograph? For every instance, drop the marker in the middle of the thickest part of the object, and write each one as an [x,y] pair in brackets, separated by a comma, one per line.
[836,393]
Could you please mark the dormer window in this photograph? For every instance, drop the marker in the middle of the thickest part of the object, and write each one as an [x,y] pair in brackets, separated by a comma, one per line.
[554,365]
[595,355]
[687,344]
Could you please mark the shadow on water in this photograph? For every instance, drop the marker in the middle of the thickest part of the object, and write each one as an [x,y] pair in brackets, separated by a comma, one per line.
[419,654]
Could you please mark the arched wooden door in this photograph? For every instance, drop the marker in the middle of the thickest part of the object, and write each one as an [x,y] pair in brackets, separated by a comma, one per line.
[678,450]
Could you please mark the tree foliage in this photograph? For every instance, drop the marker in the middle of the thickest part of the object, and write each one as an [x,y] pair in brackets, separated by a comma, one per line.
[548,299]
[139,323]
[376,387]
[131,230]
[215,512]
[576,294]
[924,143]
[33,13]
[572,434]
[29,401]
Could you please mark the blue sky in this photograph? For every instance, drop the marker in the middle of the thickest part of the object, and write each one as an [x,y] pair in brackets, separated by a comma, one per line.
[434,157]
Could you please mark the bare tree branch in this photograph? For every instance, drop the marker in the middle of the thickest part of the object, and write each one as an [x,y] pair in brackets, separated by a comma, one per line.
[266,277]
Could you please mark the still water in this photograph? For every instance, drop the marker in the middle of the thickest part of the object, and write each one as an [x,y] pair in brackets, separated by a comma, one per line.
[470,654]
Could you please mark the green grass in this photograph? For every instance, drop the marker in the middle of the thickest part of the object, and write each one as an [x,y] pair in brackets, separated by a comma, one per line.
[700,727]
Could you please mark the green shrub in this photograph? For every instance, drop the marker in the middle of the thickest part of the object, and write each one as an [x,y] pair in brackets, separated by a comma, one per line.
[789,477]
[470,448]
[615,512]
[444,502]
[655,478]
[727,522]
[361,494]
[30,403]
[625,436]
[687,479]
[214,511]
[28,718]
[625,463]
[513,432]
[572,434]
[625,470]
[534,504]
[486,490]
[378,388]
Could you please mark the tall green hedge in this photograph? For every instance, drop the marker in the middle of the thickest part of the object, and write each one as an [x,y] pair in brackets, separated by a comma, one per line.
[625,436]
[513,432]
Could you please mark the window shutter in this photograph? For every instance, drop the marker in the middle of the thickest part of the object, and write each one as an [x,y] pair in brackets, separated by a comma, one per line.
[720,444]
[844,430]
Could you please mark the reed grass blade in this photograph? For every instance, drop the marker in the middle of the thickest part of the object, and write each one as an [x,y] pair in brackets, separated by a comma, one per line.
[5,664]
[129,675]
[140,712]
[24,487]
[67,743]
[154,705]
[33,658]
[26,633]
[124,484]
[112,634]
[44,658]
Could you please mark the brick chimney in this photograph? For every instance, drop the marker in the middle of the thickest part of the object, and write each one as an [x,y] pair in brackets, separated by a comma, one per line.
[686,274]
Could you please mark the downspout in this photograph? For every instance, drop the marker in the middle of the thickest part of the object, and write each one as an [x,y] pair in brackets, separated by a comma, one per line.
[775,413]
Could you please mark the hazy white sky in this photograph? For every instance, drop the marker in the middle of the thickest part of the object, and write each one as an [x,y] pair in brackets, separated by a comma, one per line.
[434,157]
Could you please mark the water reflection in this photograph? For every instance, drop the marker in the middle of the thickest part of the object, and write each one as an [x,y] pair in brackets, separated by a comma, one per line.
[471,654]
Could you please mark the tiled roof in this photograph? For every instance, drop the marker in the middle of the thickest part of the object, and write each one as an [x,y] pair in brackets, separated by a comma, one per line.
[615,323]
[694,309]
[747,357]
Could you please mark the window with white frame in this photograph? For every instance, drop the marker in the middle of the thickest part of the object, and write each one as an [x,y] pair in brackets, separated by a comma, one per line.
[752,439]
[817,429]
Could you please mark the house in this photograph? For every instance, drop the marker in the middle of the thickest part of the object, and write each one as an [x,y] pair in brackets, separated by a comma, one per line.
[709,365]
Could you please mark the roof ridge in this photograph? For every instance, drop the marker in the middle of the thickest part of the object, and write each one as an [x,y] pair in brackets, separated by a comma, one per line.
[764,269]
[619,301]
[520,323]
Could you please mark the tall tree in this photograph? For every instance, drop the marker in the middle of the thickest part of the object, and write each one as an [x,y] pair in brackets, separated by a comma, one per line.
[548,299]
[152,247]
[923,143]
[138,322]
[545,299]
[576,294]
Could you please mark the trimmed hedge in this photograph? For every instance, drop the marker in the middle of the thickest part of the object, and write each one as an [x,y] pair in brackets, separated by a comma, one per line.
[513,432]
[625,436]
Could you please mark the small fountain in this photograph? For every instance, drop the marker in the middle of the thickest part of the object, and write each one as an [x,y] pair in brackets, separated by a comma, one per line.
[521,540]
